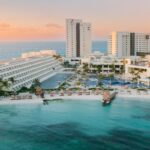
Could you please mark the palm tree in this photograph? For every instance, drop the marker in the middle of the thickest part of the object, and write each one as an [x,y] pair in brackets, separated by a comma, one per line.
[100,78]
[85,67]
[66,64]
[111,76]
[12,80]
[135,76]
[99,69]
[57,56]
[36,83]
[113,69]
[5,85]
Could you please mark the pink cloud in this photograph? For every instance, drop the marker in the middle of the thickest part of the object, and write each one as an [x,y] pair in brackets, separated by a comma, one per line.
[4,25]
[13,32]
[53,25]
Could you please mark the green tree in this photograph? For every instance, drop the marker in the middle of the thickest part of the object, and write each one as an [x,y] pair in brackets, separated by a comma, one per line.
[66,64]
[112,66]
[99,69]
[35,84]
[5,85]
[100,79]
[111,76]
[85,67]
[135,76]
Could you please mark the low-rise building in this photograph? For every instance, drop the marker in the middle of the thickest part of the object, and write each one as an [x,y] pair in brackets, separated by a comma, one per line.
[101,63]
[141,66]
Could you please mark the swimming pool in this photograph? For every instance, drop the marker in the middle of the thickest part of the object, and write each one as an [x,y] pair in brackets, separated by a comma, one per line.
[55,80]
[92,81]
[76,125]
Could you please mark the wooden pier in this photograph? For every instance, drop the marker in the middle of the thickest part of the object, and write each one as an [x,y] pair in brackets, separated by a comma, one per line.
[45,101]
[108,97]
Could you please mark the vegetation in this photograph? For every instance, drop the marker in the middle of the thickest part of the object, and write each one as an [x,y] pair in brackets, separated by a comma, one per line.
[66,64]
[112,66]
[122,69]
[111,76]
[99,69]
[36,84]
[135,76]
[5,85]
[100,79]
[57,56]
[64,86]
[78,83]
[23,90]
[85,68]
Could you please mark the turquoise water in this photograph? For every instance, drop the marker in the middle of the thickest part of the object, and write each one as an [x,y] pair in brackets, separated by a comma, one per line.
[15,49]
[76,125]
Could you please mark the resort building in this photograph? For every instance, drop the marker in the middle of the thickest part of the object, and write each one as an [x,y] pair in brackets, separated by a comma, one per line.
[140,66]
[78,40]
[104,64]
[33,65]
[125,44]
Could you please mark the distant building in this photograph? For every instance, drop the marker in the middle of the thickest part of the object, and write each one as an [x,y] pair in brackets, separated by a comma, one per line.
[124,44]
[78,40]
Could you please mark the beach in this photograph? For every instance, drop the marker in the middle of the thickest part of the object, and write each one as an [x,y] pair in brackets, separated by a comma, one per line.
[36,100]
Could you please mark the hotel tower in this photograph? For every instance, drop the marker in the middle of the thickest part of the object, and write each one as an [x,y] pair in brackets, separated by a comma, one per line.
[124,44]
[78,38]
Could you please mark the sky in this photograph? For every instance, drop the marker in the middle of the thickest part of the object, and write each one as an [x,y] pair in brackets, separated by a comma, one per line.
[44,20]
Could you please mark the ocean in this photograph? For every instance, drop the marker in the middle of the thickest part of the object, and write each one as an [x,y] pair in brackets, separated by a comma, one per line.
[76,125]
[15,49]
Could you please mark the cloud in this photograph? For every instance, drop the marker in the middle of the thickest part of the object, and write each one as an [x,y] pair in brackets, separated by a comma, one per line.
[53,25]
[4,25]
[13,32]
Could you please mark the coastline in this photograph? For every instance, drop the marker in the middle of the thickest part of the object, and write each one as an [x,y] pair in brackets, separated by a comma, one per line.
[139,97]
[25,101]
[37,100]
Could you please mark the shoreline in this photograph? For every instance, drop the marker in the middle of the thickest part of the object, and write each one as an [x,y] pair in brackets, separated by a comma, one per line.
[73,97]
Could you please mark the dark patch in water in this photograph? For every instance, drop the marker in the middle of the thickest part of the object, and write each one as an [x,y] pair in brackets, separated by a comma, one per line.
[144,117]
[69,136]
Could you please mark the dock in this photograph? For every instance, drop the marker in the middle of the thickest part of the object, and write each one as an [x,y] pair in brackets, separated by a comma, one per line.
[108,97]
[45,101]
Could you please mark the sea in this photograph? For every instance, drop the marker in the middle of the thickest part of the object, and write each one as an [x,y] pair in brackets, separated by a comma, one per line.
[76,125]
[10,50]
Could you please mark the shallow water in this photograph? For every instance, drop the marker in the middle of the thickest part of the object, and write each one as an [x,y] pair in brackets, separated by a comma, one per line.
[76,125]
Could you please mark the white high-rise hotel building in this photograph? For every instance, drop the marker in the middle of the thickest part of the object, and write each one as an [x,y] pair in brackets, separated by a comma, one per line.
[78,42]
[123,44]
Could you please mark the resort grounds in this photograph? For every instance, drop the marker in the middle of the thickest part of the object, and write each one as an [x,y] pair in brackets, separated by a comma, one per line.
[69,85]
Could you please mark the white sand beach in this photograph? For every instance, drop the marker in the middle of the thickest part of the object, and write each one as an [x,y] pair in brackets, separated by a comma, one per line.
[23,101]
[132,95]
